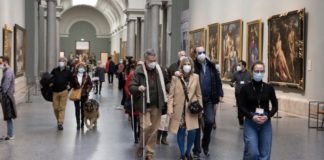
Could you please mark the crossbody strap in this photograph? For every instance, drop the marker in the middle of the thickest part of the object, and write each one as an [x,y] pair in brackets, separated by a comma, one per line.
[184,89]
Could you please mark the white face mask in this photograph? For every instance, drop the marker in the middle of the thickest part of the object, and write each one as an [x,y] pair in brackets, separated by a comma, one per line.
[61,64]
[239,68]
[186,68]
[217,66]
[201,57]
[151,65]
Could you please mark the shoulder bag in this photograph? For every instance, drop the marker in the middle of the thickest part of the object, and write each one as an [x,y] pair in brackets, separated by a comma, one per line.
[194,107]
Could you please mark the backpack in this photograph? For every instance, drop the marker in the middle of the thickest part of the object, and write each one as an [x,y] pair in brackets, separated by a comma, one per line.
[46,90]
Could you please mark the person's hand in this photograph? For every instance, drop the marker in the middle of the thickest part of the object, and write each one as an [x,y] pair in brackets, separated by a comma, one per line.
[141,88]
[263,119]
[170,113]
[178,73]
[221,100]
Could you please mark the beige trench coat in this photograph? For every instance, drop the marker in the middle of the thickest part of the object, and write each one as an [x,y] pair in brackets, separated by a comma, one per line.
[176,102]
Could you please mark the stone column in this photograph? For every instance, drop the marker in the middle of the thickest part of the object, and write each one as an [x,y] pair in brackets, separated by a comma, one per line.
[163,36]
[41,40]
[142,38]
[155,21]
[59,9]
[138,38]
[51,47]
[131,37]
[168,33]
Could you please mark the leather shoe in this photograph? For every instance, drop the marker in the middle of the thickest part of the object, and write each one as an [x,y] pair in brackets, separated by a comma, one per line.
[139,152]
[164,141]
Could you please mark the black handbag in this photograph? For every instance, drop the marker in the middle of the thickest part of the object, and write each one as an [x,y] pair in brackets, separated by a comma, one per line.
[194,107]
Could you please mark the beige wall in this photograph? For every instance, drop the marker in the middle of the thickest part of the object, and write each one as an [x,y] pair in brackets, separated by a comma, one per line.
[204,12]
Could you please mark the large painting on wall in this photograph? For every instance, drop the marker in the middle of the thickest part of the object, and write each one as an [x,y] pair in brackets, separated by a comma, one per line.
[254,42]
[19,50]
[286,49]
[213,41]
[196,38]
[231,47]
[7,42]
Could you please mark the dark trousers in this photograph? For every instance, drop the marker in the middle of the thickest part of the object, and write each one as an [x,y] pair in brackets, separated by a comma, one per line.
[240,115]
[79,110]
[208,122]
[98,86]
[163,134]
[136,127]
[110,77]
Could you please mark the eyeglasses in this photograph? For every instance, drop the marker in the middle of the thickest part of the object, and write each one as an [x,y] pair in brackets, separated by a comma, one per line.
[258,71]
[203,52]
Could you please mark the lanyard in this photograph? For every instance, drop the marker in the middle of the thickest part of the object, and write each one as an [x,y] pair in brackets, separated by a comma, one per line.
[258,95]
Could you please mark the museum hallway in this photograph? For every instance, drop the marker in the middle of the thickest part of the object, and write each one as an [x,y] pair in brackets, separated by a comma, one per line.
[36,136]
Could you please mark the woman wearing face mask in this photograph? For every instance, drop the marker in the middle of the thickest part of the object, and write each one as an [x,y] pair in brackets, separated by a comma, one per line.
[181,119]
[254,103]
[81,80]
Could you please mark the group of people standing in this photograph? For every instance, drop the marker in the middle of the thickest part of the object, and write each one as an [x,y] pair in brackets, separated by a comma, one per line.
[155,91]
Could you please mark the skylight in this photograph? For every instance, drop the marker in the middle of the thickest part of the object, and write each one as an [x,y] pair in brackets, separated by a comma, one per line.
[84,2]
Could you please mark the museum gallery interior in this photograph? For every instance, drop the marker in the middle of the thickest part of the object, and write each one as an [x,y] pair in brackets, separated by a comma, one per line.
[287,36]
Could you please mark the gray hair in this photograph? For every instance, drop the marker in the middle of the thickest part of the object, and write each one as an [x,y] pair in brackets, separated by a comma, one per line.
[62,59]
[149,52]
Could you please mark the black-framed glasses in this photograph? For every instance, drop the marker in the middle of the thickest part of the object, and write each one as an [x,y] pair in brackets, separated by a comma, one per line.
[258,71]
[203,52]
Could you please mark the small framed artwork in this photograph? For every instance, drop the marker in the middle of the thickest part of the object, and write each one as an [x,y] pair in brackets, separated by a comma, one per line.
[196,38]
[286,50]
[19,50]
[254,42]
[7,42]
[231,47]
[213,41]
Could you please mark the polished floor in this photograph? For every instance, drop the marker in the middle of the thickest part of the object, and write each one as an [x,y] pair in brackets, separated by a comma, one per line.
[36,137]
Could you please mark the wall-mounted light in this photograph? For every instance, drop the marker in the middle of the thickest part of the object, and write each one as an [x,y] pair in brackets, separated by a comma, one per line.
[82,39]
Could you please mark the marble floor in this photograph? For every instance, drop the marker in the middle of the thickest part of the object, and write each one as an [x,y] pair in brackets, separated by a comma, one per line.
[36,136]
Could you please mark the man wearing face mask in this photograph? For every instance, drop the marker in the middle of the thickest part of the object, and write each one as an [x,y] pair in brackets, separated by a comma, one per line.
[7,94]
[240,78]
[61,81]
[211,89]
[149,89]
[162,135]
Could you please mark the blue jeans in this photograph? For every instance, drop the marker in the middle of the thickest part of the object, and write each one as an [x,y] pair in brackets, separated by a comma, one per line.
[10,127]
[257,140]
[181,140]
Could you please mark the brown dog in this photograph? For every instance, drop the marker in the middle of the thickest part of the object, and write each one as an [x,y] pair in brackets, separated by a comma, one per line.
[91,113]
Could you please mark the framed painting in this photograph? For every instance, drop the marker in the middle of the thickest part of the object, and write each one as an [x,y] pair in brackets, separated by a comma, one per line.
[213,41]
[19,50]
[287,49]
[82,50]
[254,42]
[7,42]
[196,38]
[231,47]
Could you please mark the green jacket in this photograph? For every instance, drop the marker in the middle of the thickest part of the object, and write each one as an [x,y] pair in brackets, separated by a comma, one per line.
[138,80]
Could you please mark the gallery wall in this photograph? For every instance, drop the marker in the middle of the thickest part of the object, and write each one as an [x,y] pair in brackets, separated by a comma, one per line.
[205,12]
[86,31]
[11,13]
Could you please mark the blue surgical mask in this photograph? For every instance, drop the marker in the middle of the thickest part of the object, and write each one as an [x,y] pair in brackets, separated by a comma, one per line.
[258,76]
[81,70]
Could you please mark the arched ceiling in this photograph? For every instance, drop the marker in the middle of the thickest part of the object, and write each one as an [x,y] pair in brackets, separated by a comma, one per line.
[113,11]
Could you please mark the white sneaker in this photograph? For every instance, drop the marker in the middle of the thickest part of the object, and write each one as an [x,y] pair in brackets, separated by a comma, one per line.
[10,138]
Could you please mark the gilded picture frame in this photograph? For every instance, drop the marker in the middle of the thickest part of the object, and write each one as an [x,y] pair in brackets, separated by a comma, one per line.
[19,50]
[213,41]
[286,50]
[231,47]
[7,42]
[196,38]
[254,42]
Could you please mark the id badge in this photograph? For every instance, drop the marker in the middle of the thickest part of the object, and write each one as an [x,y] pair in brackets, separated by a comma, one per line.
[242,82]
[259,111]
